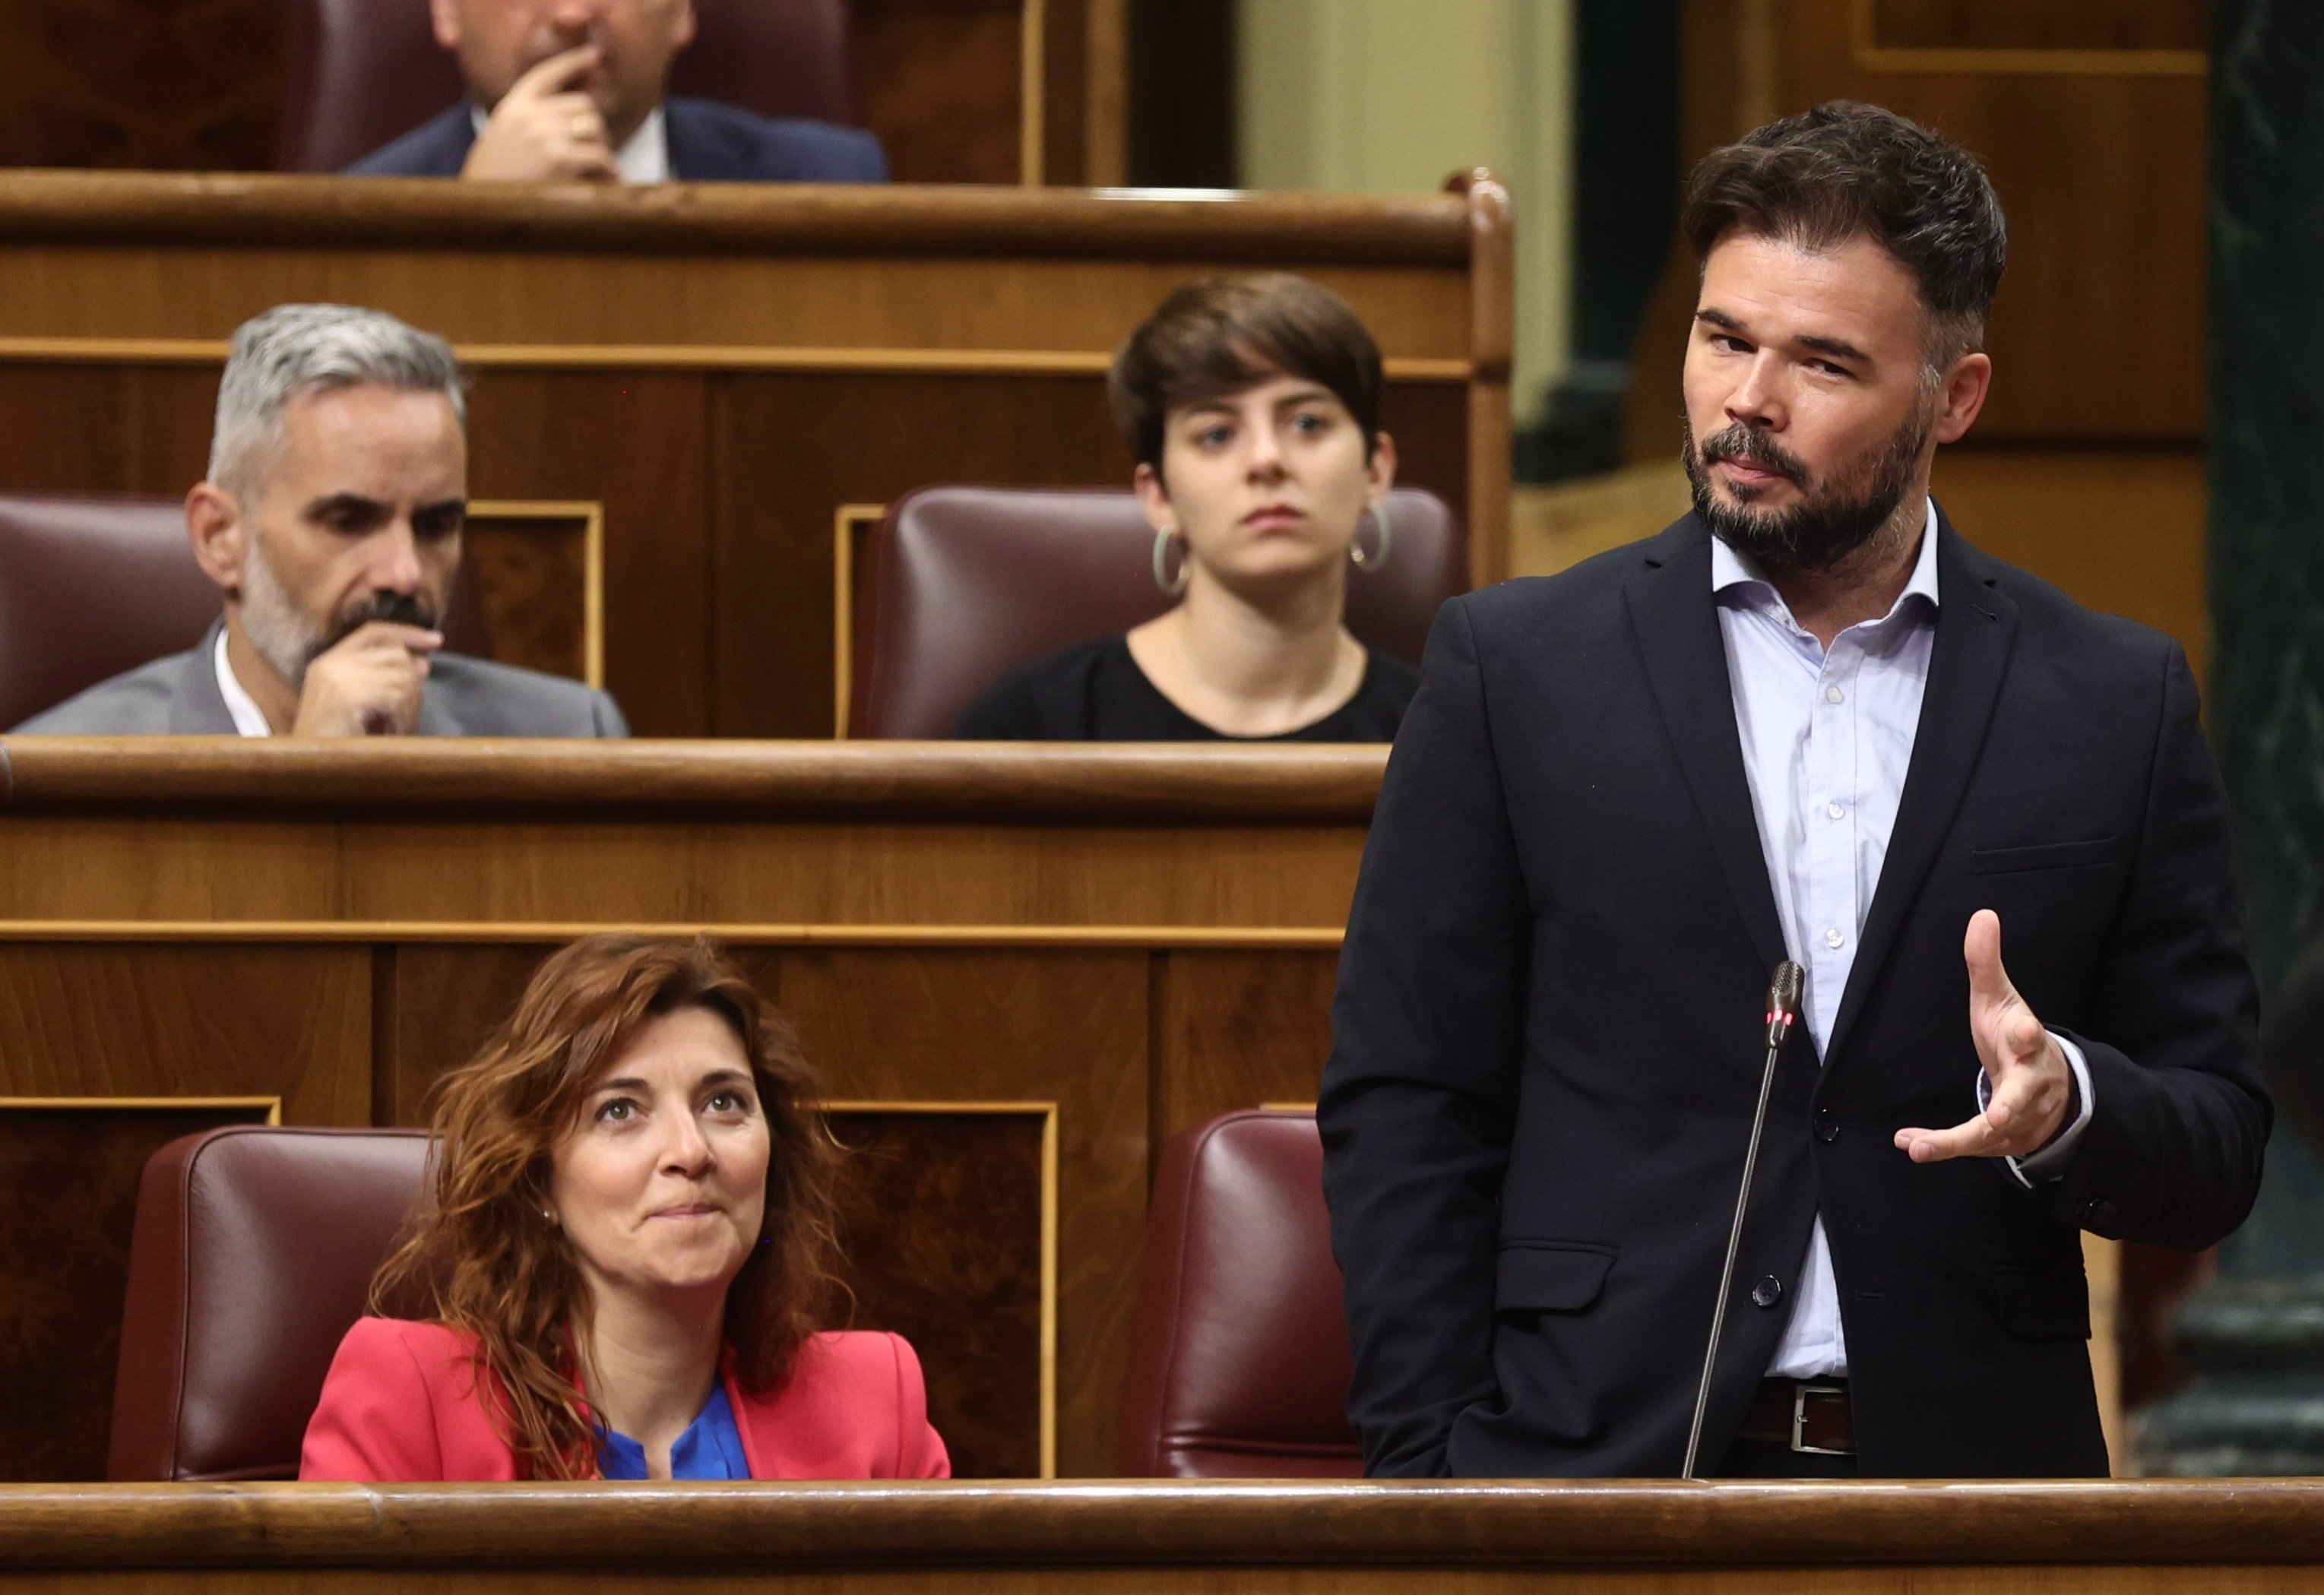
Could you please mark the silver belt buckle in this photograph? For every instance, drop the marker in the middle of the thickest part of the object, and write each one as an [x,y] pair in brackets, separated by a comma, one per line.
[1799,1394]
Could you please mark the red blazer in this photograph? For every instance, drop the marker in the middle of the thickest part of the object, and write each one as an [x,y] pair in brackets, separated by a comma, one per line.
[400,1404]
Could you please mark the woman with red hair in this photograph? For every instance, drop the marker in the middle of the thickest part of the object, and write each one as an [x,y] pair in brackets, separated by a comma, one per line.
[630,1237]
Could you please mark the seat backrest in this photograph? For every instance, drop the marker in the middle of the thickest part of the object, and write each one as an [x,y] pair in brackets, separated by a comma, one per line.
[364,72]
[1239,1361]
[253,1252]
[959,584]
[90,587]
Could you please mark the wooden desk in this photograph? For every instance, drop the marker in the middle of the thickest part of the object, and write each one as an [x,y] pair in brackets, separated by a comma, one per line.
[2245,1538]
[1028,965]
[719,368]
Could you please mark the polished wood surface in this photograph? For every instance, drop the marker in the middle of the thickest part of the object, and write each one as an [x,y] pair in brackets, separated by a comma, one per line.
[1139,936]
[719,368]
[2064,1536]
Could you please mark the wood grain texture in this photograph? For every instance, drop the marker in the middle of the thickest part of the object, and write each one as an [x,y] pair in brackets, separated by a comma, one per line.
[787,219]
[1237,1029]
[2103,177]
[941,86]
[2039,24]
[70,1177]
[1089,784]
[2060,1535]
[1068,1028]
[529,577]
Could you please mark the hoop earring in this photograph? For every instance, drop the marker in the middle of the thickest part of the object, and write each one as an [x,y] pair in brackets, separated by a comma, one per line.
[1171,585]
[1369,563]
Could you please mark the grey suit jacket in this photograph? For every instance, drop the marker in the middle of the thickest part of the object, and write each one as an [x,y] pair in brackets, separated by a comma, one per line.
[178,697]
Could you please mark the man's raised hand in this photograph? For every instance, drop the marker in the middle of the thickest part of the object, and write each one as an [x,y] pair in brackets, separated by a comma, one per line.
[2032,1084]
[545,129]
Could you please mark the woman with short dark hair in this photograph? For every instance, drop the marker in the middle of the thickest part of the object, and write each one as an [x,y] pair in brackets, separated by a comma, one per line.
[630,1240]
[1252,405]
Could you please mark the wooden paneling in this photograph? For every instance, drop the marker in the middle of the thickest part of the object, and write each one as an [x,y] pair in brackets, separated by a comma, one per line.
[2039,25]
[1464,1537]
[1235,1029]
[942,1231]
[717,369]
[70,1172]
[2100,167]
[200,84]
[1117,932]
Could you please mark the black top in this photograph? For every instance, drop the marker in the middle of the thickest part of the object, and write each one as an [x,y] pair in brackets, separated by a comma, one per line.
[1094,692]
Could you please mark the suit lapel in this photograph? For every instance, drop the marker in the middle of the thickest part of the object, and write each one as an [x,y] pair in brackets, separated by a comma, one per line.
[1679,642]
[1976,624]
[197,706]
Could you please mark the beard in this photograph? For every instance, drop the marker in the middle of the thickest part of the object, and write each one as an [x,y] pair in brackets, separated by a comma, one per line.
[289,641]
[1835,515]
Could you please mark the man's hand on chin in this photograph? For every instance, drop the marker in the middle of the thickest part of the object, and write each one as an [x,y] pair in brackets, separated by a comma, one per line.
[546,128]
[2031,1095]
[367,684]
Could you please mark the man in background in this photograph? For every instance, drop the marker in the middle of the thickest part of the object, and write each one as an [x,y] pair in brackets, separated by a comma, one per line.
[577,90]
[331,521]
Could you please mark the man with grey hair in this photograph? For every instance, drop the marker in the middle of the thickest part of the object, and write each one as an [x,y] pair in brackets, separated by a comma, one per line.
[331,520]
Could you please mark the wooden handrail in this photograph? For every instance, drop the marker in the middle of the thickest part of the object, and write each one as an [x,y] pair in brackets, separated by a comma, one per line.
[153,208]
[1100,1523]
[1148,782]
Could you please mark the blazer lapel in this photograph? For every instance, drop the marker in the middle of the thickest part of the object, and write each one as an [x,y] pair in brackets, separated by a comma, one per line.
[1677,627]
[1976,623]
[197,706]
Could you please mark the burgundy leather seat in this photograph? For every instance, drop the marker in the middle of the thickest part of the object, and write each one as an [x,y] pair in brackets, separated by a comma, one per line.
[252,1254]
[90,587]
[363,72]
[959,584]
[1239,1354]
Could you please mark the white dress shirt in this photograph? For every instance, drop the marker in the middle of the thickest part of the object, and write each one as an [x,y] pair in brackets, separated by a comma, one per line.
[1827,739]
[644,158]
[249,719]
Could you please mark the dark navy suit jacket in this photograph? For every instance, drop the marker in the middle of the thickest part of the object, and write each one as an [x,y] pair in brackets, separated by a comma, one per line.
[709,142]
[1547,1034]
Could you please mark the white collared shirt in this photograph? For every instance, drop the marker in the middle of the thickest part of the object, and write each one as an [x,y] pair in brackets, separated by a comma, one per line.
[644,158]
[249,719]
[1827,739]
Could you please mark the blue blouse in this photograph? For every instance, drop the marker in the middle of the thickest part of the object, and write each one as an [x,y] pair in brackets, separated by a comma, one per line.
[710,1447]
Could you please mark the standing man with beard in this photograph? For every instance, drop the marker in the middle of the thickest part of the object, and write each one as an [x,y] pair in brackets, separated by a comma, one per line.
[1808,721]
[331,520]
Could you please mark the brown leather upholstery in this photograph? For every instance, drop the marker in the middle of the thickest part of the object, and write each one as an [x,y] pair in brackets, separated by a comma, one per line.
[90,587]
[363,72]
[1239,1354]
[959,584]
[253,1252]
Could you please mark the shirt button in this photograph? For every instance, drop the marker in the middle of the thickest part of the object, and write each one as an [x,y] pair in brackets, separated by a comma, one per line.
[1833,695]
[1834,809]
[1767,1291]
[1834,939]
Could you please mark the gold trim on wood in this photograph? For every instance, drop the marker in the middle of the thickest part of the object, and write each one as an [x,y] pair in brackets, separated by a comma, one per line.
[1032,113]
[1048,1114]
[1871,56]
[592,517]
[847,530]
[1410,368]
[272,1104]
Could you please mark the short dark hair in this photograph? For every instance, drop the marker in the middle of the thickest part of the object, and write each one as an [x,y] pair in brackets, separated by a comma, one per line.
[1848,171]
[1224,334]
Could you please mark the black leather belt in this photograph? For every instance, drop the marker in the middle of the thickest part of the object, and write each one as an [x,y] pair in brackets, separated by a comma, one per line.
[1810,1415]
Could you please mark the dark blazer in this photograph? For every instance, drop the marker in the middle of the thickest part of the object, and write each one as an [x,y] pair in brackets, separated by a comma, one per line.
[709,142]
[1547,1038]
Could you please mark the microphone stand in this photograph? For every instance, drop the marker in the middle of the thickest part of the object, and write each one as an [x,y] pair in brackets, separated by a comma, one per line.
[1783,1007]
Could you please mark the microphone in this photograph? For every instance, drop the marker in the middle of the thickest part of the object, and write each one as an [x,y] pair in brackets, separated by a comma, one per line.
[1782,1008]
